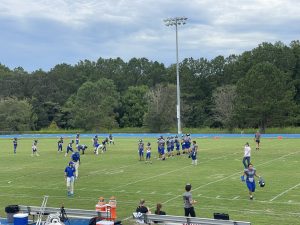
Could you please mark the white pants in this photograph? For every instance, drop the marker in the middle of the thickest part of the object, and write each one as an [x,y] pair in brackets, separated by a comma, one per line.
[70,185]
[96,151]
[76,165]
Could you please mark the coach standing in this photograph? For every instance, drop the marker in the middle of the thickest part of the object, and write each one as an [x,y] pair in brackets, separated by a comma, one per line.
[188,202]
[69,177]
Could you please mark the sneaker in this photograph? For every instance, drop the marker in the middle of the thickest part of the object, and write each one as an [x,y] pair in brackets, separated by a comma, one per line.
[251,197]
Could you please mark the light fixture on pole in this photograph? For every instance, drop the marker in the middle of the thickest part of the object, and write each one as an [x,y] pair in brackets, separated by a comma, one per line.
[176,21]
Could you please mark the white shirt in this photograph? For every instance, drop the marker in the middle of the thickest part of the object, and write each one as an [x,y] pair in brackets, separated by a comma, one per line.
[247,151]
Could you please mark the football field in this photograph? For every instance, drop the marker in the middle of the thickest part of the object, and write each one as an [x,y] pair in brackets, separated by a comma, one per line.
[216,184]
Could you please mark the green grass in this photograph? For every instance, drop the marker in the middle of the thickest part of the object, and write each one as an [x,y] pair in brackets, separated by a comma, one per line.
[216,180]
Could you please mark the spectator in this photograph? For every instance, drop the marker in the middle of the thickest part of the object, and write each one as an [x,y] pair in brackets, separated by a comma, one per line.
[158,211]
[142,208]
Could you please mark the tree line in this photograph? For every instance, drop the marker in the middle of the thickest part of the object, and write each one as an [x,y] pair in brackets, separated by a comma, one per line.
[256,89]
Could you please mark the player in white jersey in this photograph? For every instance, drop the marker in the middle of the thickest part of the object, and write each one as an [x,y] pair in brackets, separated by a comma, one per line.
[34,148]
[148,153]
[247,155]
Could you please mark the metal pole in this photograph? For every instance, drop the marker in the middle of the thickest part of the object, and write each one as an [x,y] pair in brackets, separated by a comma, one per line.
[175,22]
[178,85]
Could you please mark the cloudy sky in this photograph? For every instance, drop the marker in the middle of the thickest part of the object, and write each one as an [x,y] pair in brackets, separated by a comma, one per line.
[42,33]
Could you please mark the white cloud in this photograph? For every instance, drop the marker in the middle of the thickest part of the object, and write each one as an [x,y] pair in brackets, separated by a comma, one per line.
[85,29]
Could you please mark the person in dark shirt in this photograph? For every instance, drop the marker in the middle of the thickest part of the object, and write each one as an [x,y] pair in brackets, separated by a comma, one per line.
[142,208]
[15,143]
[158,211]
[188,202]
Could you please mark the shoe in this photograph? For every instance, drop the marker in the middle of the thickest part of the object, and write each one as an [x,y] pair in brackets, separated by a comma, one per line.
[251,197]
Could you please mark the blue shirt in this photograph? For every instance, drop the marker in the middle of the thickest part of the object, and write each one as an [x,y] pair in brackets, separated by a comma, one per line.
[95,141]
[70,171]
[75,156]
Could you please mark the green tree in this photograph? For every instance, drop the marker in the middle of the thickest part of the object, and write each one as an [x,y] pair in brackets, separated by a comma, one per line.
[265,97]
[94,105]
[16,115]
[134,106]
[161,114]
[295,45]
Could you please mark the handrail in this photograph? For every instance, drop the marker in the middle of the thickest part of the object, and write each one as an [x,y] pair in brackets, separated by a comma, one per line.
[42,210]
[191,220]
[82,213]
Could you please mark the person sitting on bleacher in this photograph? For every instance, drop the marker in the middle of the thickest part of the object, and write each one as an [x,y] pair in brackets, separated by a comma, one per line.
[142,208]
[158,211]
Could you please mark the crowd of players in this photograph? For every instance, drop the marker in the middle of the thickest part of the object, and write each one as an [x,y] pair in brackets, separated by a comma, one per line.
[71,171]
[170,147]
[166,147]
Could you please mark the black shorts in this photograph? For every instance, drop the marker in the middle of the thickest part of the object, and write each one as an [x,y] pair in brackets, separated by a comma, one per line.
[189,212]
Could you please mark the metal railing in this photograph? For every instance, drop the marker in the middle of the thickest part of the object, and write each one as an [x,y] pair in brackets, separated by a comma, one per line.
[78,213]
[190,220]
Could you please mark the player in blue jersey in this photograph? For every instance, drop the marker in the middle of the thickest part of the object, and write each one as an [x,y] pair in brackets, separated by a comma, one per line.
[172,140]
[183,144]
[111,139]
[60,144]
[161,148]
[194,153]
[96,145]
[82,148]
[34,148]
[250,174]
[141,149]
[104,144]
[15,143]
[148,153]
[168,143]
[70,147]
[177,144]
[69,177]
[76,160]
[77,140]
[187,142]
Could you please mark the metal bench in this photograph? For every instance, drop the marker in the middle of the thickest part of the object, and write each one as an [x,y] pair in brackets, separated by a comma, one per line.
[168,219]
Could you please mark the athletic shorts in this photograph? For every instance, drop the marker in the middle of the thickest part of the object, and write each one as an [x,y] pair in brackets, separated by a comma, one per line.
[141,152]
[251,185]
[148,155]
[187,144]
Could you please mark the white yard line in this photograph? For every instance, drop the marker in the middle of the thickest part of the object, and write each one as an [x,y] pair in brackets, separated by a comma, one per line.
[149,178]
[224,178]
[162,174]
[284,192]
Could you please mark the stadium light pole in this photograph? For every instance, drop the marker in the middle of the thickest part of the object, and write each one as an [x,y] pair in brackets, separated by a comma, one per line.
[176,21]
